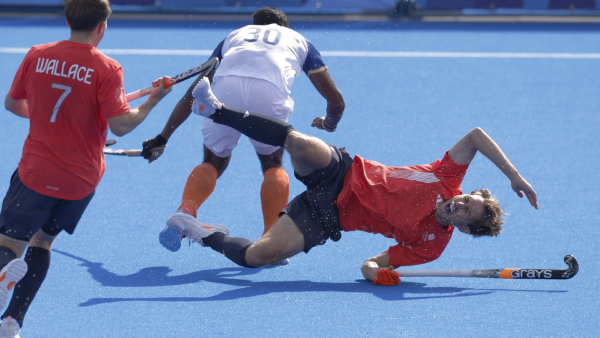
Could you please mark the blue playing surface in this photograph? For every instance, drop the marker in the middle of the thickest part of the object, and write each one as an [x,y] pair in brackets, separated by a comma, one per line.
[112,278]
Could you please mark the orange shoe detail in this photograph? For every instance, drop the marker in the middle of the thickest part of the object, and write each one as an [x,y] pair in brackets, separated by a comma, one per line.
[206,227]
[3,276]
[10,285]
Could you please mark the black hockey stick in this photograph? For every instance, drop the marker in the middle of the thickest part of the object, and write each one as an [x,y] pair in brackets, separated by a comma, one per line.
[502,273]
[206,68]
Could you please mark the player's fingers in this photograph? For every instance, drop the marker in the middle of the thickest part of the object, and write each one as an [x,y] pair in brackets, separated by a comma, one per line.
[533,200]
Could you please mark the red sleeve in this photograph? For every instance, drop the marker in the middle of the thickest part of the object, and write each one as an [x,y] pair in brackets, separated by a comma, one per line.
[450,172]
[419,252]
[17,90]
[111,94]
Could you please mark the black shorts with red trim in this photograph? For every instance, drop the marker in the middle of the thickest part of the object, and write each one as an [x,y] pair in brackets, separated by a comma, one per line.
[25,212]
[314,211]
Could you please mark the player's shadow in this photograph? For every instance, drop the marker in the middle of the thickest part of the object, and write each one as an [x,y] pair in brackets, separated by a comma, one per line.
[159,276]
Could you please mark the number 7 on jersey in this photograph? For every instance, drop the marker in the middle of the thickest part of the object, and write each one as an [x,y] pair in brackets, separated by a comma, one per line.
[67,91]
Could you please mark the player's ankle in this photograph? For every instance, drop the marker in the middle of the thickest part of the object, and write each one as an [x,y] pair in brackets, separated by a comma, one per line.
[188,210]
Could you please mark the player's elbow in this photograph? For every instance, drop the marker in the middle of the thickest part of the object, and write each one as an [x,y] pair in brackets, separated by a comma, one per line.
[118,129]
[338,102]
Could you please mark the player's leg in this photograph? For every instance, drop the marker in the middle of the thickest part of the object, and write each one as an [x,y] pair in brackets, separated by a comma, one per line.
[219,142]
[284,240]
[37,258]
[275,189]
[46,218]
[202,181]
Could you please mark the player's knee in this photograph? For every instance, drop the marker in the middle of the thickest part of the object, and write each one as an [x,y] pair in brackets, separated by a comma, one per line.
[298,142]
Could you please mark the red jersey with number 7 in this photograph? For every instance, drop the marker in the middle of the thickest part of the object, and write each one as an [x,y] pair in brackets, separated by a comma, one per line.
[71,91]
[399,203]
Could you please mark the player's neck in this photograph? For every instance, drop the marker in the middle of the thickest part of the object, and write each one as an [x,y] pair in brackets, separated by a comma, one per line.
[83,38]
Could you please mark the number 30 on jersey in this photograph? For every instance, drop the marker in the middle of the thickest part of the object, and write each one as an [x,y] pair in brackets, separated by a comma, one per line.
[270,36]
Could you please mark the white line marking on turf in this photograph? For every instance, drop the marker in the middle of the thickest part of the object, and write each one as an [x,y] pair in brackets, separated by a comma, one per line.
[9,50]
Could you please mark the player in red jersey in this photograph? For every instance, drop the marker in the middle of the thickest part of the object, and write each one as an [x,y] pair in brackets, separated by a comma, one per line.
[418,206]
[72,94]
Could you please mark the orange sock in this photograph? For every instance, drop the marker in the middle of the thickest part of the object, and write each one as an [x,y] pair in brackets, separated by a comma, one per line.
[274,195]
[200,184]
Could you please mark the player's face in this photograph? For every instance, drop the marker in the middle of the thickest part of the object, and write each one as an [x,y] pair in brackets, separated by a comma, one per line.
[460,211]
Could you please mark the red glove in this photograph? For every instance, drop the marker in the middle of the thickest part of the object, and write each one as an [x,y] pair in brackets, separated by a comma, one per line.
[387,278]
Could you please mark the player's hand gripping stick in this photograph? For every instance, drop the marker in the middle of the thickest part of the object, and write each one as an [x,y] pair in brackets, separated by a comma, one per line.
[148,145]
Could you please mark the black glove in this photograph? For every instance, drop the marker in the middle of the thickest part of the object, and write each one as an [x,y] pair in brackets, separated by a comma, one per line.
[152,143]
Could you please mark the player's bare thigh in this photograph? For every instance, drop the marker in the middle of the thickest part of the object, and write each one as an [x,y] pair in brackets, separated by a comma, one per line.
[284,240]
[307,153]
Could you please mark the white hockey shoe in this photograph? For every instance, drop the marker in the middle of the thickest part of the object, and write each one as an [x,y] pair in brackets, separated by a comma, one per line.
[192,228]
[205,102]
[9,328]
[10,275]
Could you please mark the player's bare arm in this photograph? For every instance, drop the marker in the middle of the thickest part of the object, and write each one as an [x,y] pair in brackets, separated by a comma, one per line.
[476,140]
[123,124]
[181,112]
[17,107]
[372,265]
[335,101]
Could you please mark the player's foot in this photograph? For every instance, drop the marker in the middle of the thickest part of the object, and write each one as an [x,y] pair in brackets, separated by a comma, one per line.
[205,102]
[10,275]
[170,239]
[192,228]
[9,328]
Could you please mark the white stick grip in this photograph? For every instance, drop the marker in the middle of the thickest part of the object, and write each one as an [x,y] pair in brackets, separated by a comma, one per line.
[138,93]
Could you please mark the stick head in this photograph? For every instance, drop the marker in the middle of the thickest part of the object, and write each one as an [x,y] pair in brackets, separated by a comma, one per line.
[573,267]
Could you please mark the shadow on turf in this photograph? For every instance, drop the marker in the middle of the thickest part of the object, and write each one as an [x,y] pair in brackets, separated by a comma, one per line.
[158,276]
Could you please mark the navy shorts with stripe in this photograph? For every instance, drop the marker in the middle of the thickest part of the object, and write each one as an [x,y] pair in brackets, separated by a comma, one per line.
[314,211]
[25,211]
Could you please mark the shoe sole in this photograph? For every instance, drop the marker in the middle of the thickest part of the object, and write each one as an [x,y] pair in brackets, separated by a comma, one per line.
[170,239]
[280,263]
[10,275]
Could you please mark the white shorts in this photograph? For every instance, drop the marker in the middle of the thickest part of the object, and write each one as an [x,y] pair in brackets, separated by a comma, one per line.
[249,94]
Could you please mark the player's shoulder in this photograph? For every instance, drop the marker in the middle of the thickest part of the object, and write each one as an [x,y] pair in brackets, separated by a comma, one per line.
[107,61]
[37,49]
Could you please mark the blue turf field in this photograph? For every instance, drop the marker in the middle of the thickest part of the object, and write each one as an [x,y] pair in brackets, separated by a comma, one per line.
[113,279]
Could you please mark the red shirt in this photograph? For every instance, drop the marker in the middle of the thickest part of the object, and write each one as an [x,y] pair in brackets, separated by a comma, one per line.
[399,203]
[71,90]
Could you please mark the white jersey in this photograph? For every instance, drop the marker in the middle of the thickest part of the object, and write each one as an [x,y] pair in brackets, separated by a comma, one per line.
[268,52]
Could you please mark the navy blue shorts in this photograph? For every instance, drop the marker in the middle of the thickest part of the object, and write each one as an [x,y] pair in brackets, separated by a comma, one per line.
[25,211]
[314,211]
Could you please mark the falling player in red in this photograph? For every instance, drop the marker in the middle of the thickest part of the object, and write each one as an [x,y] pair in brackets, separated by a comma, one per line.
[418,206]
[72,94]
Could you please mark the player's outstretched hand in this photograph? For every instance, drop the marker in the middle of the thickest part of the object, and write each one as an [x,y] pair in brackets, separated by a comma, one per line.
[159,90]
[386,277]
[319,123]
[520,186]
[152,147]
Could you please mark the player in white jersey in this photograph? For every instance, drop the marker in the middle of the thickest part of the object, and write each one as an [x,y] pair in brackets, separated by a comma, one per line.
[258,66]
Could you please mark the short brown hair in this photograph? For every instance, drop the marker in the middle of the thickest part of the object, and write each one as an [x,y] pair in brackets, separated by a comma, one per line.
[491,225]
[269,15]
[85,15]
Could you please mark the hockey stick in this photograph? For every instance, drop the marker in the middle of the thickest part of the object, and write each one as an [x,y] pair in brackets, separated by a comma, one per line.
[502,273]
[207,68]
[122,152]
